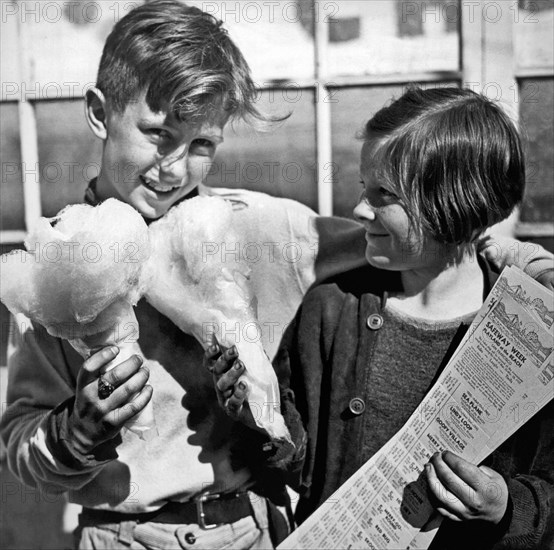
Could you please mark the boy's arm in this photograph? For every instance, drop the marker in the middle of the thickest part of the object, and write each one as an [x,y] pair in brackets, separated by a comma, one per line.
[341,247]
[532,258]
[41,387]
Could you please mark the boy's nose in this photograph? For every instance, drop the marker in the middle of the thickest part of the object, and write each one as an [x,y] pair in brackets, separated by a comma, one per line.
[174,163]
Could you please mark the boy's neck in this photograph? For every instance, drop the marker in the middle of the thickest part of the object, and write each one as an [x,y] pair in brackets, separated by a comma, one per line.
[443,292]
[92,197]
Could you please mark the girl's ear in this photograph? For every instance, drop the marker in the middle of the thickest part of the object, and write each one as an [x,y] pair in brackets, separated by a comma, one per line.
[96,113]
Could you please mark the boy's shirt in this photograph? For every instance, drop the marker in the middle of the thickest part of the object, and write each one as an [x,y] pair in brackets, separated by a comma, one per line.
[195,449]
[288,247]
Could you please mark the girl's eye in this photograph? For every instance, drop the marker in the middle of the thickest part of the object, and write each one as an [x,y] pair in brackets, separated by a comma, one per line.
[203,142]
[387,194]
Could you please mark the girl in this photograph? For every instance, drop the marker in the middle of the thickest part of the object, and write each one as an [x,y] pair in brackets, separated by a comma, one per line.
[438,167]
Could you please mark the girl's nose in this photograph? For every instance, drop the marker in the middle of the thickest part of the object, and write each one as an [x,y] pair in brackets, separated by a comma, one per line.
[364,211]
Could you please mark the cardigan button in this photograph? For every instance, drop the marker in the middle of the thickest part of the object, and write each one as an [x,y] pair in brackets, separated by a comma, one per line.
[190,538]
[356,405]
[374,321]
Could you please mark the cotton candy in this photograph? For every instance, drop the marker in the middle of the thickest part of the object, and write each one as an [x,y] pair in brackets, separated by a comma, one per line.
[85,269]
[80,277]
[205,293]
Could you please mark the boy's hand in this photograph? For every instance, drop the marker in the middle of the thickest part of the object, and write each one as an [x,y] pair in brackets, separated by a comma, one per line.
[95,420]
[463,491]
[226,369]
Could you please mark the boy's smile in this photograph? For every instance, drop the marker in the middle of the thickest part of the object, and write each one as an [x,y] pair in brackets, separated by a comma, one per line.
[152,160]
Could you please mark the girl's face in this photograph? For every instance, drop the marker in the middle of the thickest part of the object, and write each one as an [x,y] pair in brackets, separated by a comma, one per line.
[393,241]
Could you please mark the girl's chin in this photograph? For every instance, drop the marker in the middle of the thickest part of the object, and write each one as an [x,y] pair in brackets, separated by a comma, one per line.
[382,262]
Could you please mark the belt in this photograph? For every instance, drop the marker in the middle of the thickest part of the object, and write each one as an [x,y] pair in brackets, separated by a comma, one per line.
[208,510]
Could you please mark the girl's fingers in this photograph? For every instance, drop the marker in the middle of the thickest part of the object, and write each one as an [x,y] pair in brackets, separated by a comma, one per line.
[453,483]
[466,471]
[444,512]
[446,502]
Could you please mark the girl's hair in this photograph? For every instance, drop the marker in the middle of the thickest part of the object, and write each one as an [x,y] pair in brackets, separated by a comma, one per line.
[184,60]
[454,158]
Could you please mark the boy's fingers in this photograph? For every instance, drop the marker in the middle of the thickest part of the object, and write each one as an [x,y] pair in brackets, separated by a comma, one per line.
[214,349]
[225,362]
[90,368]
[241,391]
[234,405]
[122,372]
[120,416]
[229,379]
[124,393]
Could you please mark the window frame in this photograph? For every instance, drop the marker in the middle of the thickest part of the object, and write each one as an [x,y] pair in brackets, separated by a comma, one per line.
[477,68]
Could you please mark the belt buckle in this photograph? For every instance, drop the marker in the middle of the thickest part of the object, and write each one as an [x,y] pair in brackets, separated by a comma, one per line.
[200,514]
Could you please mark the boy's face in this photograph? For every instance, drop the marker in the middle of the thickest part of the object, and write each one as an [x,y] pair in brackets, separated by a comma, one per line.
[151,160]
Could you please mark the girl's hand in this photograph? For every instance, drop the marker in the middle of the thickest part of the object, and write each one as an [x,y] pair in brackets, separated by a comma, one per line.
[226,369]
[463,491]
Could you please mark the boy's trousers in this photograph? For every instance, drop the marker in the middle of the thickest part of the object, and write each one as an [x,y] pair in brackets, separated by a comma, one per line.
[251,532]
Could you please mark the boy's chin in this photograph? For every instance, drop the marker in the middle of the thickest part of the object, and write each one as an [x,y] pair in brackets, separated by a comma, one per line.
[153,209]
[148,210]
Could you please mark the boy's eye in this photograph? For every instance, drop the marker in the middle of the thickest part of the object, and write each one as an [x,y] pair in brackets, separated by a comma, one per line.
[203,147]
[159,133]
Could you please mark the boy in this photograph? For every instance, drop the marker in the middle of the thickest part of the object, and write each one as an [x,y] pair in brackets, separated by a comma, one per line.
[169,80]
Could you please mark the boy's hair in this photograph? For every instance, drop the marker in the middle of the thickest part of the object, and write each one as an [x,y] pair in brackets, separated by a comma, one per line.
[184,60]
[454,158]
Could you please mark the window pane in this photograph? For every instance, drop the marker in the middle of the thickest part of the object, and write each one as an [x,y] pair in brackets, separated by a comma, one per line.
[393,36]
[64,42]
[65,39]
[69,154]
[280,162]
[534,34]
[276,38]
[4,313]
[351,109]
[537,120]
[8,58]
[12,214]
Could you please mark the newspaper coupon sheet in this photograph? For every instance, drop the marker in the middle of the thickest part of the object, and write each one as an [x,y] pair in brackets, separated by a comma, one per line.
[501,374]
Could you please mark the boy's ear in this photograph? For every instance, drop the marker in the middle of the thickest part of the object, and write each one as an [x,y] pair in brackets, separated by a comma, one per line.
[96,112]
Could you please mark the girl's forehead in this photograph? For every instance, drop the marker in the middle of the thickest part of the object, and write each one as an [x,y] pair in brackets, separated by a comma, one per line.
[370,158]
